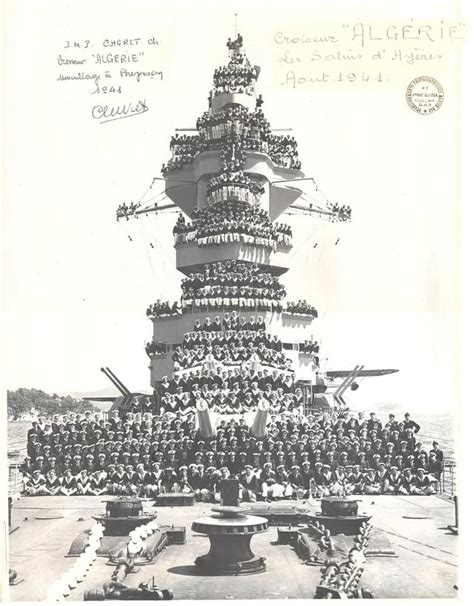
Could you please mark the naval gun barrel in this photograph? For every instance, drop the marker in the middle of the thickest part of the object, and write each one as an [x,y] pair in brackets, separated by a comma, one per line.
[206,427]
[117,379]
[122,389]
[259,425]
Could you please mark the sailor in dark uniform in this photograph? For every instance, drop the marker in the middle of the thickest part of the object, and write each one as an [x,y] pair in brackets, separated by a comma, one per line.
[438,452]
[372,484]
[97,483]
[52,484]
[308,477]
[209,484]
[435,466]
[68,484]
[119,480]
[248,482]
[36,485]
[268,485]
[355,481]
[410,439]
[373,423]
[142,481]
[410,424]
[295,479]
[83,483]
[423,483]
[407,482]
[169,480]
[392,481]
[155,479]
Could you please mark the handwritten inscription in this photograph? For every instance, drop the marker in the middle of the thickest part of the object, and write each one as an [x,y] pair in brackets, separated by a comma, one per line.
[112,67]
[377,54]
[105,113]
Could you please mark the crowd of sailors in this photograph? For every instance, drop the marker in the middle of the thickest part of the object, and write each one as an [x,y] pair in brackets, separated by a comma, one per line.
[232,285]
[301,307]
[235,77]
[231,341]
[280,148]
[342,212]
[233,186]
[163,309]
[226,222]
[211,300]
[147,453]
[250,130]
[125,210]
[235,353]
[228,390]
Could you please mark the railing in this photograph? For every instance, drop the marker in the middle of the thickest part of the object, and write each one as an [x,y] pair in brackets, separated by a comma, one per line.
[15,480]
[447,483]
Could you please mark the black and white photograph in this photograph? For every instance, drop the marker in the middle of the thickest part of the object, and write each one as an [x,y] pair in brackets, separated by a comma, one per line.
[231,299]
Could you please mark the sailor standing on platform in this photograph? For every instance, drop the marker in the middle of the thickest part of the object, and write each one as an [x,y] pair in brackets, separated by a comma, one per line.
[410,424]
[437,451]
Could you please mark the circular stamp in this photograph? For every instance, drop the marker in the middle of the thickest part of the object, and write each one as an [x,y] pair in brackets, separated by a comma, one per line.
[425,95]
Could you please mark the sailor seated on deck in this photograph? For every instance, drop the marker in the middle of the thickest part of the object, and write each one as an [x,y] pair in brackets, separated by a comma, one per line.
[392,481]
[248,484]
[270,487]
[169,480]
[420,483]
[36,484]
[339,481]
[205,482]
[372,484]
[223,475]
[142,443]
[84,483]
[69,484]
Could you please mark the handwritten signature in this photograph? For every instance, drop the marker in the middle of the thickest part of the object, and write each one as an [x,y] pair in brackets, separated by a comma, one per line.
[105,113]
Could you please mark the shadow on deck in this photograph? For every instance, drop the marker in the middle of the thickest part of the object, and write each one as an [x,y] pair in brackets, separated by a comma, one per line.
[425,562]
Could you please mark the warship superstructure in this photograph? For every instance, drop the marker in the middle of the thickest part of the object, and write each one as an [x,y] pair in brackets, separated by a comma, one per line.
[232,180]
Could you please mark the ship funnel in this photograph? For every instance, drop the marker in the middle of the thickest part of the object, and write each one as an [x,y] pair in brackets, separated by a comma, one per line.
[206,427]
[259,426]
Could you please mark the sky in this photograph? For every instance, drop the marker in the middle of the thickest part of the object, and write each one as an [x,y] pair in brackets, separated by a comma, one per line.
[76,288]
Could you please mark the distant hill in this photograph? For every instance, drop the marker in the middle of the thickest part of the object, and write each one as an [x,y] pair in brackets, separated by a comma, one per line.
[23,401]
[102,393]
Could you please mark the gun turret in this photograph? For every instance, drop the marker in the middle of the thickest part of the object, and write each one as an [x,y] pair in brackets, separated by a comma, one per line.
[206,427]
[259,426]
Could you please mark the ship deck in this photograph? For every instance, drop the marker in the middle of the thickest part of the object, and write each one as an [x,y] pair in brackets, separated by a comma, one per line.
[424,565]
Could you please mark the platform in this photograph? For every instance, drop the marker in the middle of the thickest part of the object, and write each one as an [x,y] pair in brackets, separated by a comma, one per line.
[415,527]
